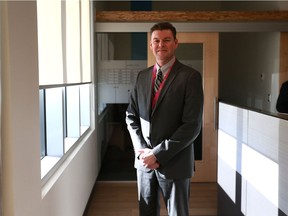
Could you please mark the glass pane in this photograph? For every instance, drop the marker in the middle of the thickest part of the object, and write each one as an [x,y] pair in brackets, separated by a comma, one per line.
[73,41]
[85,107]
[54,122]
[86,41]
[42,123]
[50,42]
[73,111]
[191,55]
[120,56]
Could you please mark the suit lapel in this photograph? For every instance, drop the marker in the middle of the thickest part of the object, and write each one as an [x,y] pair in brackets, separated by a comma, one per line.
[148,91]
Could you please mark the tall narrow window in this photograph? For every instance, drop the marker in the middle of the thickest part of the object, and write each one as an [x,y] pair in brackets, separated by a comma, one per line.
[64,29]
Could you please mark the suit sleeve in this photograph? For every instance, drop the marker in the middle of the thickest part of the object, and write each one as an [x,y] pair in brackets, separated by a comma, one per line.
[191,122]
[133,121]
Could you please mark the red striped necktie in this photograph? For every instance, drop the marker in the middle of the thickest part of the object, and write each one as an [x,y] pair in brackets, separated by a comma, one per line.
[158,81]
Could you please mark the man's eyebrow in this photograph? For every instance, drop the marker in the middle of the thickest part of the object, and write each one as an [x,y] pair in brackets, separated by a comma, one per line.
[166,38]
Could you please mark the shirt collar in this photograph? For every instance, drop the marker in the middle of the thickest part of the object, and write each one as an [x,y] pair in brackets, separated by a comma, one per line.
[165,68]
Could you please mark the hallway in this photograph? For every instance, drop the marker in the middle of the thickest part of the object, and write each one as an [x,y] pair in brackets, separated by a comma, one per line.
[115,198]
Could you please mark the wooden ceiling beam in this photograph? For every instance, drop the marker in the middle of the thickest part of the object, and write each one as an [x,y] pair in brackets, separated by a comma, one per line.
[191,16]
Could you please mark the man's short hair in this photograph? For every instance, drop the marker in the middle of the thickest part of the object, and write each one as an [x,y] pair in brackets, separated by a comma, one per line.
[164,26]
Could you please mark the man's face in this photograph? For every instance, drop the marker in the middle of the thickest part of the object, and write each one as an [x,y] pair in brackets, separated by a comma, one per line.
[163,46]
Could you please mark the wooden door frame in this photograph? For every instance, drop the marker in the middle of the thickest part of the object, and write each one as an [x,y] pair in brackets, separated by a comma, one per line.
[206,169]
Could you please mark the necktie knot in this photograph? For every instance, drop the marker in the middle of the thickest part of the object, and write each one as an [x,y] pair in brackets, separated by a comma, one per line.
[160,75]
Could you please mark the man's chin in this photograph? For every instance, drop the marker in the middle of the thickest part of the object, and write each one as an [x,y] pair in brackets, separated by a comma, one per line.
[162,57]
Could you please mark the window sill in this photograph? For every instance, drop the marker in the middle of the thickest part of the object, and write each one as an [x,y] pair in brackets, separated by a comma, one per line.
[69,142]
[47,163]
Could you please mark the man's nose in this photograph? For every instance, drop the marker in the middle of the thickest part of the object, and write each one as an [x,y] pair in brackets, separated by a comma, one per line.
[161,43]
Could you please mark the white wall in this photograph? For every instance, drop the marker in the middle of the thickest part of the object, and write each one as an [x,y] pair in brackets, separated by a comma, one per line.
[68,190]
[249,64]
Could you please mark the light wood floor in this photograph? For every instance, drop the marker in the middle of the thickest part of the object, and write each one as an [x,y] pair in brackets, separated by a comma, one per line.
[120,199]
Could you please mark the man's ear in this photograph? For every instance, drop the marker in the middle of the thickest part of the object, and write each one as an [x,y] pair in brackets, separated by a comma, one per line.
[176,42]
[150,45]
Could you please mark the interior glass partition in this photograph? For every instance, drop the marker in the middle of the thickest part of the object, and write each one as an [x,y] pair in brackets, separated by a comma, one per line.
[120,56]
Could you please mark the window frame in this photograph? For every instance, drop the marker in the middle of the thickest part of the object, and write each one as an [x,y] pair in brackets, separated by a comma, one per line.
[65,77]
[67,143]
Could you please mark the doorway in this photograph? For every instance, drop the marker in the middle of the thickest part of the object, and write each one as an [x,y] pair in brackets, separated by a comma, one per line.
[207,45]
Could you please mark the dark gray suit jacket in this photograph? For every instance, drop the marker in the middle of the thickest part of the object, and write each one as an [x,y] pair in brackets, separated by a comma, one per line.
[172,126]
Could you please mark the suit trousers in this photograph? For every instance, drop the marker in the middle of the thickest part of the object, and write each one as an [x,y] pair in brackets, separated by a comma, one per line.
[175,193]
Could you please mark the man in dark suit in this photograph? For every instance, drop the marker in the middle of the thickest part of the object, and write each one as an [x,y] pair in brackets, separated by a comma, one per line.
[163,122]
